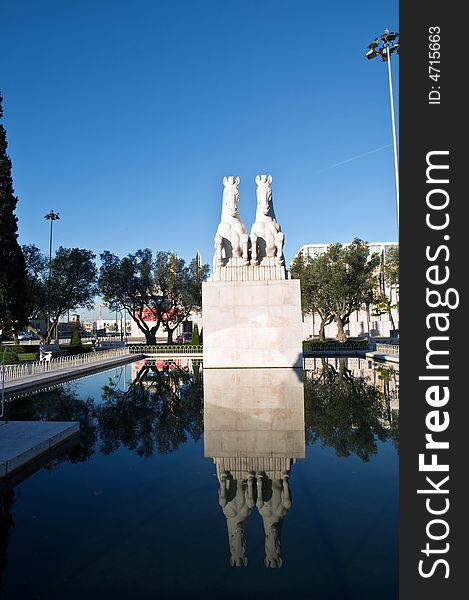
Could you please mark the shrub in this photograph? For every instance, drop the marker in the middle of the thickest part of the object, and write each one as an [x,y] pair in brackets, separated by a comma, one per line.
[195,336]
[72,350]
[75,340]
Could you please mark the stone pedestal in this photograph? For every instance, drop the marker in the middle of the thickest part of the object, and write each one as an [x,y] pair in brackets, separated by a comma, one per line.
[252,324]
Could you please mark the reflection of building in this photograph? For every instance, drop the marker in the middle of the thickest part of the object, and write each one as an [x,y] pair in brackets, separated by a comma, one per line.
[362,322]
[254,432]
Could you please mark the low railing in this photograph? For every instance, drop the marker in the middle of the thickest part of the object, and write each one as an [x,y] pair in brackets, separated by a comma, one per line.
[337,347]
[387,348]
[166,349]
[38,367]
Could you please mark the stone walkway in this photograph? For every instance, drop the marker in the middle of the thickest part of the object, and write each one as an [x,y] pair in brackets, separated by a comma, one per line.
[23,441]
[71,372]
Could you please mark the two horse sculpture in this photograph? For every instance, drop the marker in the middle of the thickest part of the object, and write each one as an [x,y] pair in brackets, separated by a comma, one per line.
[231,239]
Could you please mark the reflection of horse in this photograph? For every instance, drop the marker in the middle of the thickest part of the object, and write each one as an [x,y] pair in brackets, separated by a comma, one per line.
[266,236]
[236,497]
[273,502]
[231,239]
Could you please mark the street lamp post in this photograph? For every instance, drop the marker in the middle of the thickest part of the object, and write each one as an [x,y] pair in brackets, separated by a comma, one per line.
[52,216]
[389,44]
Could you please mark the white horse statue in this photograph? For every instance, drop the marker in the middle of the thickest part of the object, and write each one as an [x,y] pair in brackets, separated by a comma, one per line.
[266,236]
[231,239]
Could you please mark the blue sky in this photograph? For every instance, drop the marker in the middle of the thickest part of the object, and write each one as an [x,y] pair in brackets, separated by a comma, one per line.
[125,117]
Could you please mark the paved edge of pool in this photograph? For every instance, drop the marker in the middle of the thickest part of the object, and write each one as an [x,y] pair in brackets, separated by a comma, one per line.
[73,372]
[21,442]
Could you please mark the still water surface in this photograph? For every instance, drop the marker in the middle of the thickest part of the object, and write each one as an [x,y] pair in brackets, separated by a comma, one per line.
[178,476]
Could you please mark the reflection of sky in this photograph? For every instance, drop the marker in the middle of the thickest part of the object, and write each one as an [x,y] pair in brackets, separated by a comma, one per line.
[122,526]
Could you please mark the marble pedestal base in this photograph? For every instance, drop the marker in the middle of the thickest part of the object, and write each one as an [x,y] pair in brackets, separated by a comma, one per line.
[252,324]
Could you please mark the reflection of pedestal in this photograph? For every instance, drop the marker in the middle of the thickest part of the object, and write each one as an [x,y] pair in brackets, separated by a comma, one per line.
[254,413]
[252,323]
[254,431]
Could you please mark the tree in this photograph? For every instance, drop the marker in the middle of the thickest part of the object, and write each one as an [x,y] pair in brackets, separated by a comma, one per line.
[71,284]
[337,283]
[129,284]
[13,315]
[75,340]
[314,295]
[383,304]
[195,335]
[36,285]
[159,291]
[184,289]
[391,267]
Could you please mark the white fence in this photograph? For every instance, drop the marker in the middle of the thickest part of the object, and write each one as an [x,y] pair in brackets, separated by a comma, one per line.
[388,348]
[175,349]
[35,368]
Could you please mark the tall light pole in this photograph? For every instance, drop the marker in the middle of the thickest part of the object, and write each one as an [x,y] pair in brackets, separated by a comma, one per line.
[52,216]
[389,44]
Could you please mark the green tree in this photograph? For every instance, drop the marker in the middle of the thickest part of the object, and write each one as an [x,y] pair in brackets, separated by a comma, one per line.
[383,304]
[184,289]
[75,340]
[128,284]
[195,335]
[391,266]
[337,283]
[156,291]
[314,295]
[71,284]
[36,285]
[13,314]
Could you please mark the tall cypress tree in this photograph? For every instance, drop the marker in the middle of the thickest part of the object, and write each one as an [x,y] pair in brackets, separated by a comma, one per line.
[12,265]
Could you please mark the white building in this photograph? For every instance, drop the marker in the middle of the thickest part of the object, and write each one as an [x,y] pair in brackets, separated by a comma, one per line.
[363,323]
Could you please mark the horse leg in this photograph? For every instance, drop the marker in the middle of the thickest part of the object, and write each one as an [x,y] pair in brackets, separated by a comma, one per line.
[279,239]
[218,249]
[254,260]
[244,245]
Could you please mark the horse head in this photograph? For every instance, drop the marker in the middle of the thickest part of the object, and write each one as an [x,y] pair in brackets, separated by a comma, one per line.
[238,556]
[264,193]
[231,195]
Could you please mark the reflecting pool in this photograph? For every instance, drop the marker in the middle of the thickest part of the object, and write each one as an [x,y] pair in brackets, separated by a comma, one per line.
[250,483]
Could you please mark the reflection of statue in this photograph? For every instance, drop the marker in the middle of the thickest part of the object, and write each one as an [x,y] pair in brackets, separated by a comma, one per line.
[273,503]
[237,500]
[231,239]
[237,496]
[266,236]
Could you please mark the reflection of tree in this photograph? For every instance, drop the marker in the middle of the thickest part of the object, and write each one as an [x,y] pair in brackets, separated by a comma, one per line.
[344,412]
[158,411]
[60,404]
